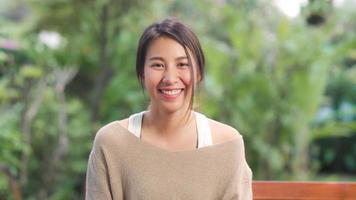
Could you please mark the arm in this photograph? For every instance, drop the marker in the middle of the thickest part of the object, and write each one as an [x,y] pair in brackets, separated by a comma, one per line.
[97,181]
[246,177]
[246,183]
[103,179]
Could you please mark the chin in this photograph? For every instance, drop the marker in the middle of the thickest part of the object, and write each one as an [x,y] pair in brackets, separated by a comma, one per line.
[173,108]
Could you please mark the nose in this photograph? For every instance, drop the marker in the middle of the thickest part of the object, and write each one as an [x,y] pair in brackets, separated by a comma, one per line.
[170,75]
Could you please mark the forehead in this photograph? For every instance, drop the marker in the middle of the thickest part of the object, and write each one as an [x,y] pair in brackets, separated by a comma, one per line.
[165,47]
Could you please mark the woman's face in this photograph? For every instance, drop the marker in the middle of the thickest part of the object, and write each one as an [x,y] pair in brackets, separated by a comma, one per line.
[167,75]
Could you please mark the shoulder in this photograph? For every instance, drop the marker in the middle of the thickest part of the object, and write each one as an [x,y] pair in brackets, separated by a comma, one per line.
[221,132]
[112,128]
[110,133]
[123,122]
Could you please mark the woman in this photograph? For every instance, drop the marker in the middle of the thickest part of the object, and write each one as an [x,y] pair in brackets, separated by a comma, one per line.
[169,151]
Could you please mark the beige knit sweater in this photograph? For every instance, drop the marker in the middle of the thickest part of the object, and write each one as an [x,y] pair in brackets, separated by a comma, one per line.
[123,167]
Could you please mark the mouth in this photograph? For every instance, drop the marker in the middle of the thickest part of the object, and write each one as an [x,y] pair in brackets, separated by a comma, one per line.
[171,94]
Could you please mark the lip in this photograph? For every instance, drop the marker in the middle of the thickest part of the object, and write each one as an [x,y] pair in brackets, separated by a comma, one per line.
[170,97]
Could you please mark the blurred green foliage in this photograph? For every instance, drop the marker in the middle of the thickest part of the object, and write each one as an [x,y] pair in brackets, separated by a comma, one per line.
[67,68]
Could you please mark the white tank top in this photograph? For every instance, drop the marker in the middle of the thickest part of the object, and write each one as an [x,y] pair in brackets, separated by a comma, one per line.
[204,133]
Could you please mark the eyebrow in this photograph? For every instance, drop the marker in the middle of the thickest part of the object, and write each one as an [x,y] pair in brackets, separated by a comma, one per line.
[161,59]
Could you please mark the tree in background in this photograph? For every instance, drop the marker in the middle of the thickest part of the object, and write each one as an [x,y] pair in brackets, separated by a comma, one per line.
[279,70]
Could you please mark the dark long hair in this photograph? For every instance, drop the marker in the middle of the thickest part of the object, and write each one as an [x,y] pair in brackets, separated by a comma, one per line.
[172,28]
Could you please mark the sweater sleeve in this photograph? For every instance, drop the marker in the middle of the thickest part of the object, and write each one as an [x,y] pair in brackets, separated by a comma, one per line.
[246,182]
[97,183]
[103,179]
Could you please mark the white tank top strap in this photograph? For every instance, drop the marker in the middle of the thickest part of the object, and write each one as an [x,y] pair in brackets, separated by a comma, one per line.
[135,122]
[203,129]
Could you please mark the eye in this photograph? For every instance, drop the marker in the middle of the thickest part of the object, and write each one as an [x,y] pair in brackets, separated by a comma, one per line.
[157,65]
[183,65]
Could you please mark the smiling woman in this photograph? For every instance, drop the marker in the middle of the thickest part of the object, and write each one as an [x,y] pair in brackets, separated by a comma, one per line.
[168,151]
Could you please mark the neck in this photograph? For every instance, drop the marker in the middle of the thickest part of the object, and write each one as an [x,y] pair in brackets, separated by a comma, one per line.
[168,124]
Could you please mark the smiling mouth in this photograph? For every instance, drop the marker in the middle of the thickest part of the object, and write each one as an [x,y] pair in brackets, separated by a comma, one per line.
[170,92]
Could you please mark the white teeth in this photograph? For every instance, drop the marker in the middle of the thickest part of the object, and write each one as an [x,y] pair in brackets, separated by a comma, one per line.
[170,92]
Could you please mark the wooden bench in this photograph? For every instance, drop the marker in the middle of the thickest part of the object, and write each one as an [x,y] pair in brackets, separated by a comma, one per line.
[284,190]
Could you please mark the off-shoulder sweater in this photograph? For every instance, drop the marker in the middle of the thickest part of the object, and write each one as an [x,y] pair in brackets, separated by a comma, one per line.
[121,166]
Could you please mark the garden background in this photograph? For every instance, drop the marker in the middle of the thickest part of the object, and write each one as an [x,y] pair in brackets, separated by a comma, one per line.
[281,72]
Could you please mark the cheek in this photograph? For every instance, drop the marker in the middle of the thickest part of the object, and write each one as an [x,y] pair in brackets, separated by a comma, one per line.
[186,77]
[147,83]
[150,80]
